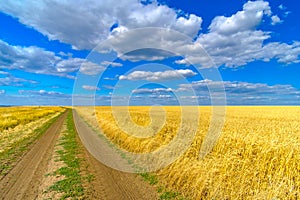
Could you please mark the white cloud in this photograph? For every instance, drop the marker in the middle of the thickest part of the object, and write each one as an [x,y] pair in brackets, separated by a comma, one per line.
[113,64]
[146,44]
[182,62]
[89,87]
[158,76]
[242,93]
[282,7]
[2,92]
[69,65]
[109,78]
[93,19]
[90,68]
[235,41]
[283,52]
[42,93]
[108,87]
[4,73]
[240,88]
[231,41]
[237,93]
[63,54]
[244,20]
[36,60]
[152,91]
[275,20]
[161,96]
[10,80]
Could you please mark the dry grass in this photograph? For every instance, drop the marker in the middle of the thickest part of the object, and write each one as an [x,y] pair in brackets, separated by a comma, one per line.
[257,156]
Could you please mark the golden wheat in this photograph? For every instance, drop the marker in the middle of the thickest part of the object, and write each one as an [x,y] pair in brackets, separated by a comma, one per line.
[13,116]
[19,123]
[257,156]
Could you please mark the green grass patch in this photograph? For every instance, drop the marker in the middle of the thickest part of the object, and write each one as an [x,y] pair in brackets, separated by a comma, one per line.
[165,194]
[150,178]
[168,195]
[72,185]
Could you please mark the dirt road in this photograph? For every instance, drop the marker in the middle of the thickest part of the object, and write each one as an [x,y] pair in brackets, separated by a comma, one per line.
[23,181]
[110,183]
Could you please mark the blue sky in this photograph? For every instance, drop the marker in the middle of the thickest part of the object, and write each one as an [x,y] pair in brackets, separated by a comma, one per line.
[134,52]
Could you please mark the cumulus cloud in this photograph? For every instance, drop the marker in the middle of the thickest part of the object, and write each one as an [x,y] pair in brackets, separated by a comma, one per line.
[244,20]
[152,91]
[239,87]
[235,41]
[94,19]
[42,93]
[37,97]
[161,96]
[2,92]
[284,53]
[10,80]
[231,41]
[282,7]
[36,60]
[158,76]
[275,20]
[90,68]
[89,87]
[237,93]
[4,73]
[149,54]
[113,64]
[63,54]
[69,65]
[146,44]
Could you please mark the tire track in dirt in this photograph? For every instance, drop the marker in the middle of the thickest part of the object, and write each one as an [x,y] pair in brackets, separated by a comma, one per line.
[110,184]
[23,181]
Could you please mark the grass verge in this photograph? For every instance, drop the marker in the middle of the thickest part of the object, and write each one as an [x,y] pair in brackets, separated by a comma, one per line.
[164,194]
[72,184]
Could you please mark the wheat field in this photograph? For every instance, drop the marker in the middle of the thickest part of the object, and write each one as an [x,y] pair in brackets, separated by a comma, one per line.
[256,157]
[11,117]
[19,123]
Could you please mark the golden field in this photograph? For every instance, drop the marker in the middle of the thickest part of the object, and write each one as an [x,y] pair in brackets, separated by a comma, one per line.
[18,124]
[256,157]
[13,116]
